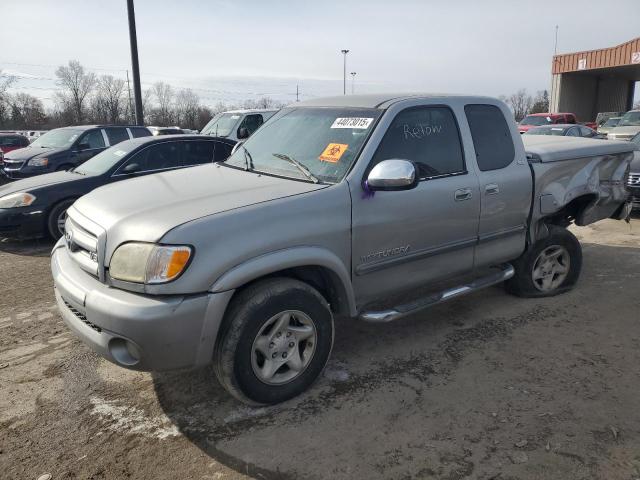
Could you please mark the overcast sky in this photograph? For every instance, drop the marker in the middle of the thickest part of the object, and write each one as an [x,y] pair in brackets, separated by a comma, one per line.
[228,50]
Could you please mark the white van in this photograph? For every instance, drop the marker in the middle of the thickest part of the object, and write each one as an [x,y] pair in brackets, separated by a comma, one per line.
[236,124]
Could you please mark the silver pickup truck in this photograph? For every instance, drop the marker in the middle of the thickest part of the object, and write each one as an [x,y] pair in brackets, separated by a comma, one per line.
[371,207]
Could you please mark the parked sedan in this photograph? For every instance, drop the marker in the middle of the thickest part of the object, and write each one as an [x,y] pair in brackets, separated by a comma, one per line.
[565,130]
[37,206]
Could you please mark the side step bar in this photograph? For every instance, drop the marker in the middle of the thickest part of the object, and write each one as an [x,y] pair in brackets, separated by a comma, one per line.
[383,316]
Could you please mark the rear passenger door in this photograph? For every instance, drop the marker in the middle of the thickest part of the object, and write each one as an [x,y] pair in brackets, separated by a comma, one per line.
[116,135]
[505,186]
[402,239]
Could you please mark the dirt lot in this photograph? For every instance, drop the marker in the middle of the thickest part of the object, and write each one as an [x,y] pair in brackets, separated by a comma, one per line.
[488,387]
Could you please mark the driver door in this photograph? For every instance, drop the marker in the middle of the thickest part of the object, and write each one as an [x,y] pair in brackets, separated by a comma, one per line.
[92,143]
[403,239]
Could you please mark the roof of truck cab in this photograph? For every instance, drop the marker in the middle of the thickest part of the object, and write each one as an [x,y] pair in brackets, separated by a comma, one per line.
[548,148]
[381,101]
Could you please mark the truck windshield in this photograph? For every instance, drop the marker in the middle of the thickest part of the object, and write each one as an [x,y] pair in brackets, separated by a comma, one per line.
[221,125]
[612,122]
[535,120]
[105,160]
[323,141]
[630,119]
[59,138]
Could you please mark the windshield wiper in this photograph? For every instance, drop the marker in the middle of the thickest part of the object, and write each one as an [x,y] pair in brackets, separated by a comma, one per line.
[248,161]
[300,166]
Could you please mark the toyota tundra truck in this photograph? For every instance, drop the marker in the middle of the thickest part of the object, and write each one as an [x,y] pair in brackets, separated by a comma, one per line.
[367,207]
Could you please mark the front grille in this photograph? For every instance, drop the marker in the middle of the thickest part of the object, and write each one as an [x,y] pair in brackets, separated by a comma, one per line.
[634,180]
[13,164]
[82,246]
[82,317]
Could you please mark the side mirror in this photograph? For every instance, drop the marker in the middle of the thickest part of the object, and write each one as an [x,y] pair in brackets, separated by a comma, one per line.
[243,133]
[82,146]
[393,174]
[131,169]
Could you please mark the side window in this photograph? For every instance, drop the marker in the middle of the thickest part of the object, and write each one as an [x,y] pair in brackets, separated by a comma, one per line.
[428,136]
[251,122]
[196,153]
[24,141]
[93,139]
[139,132]
[222,151]
[116,135]
[586,132]
[491,136]
[156,157]
[573,132]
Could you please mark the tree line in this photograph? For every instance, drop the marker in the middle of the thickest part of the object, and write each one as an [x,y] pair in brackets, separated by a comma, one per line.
[84,98]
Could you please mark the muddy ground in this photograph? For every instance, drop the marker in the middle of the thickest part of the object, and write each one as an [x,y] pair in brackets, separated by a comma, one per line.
[488,387]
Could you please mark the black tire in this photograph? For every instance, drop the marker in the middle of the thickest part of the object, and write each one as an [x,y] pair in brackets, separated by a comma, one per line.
[522,284]
[54,214]
[245,319]
[64,167]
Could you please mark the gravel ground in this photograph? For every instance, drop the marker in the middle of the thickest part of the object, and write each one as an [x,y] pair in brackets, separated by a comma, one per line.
[488,387]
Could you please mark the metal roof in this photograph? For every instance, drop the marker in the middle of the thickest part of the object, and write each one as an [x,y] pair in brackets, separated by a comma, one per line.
[625,54]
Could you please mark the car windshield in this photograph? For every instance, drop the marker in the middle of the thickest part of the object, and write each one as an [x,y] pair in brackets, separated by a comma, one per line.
[535,120]
[630,119]
[59,138]
[106,159]
[221,125]
[547,131]
[323,141]
[612,122]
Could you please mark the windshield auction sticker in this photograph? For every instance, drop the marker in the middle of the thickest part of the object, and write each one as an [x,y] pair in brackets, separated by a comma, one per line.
[333,152]
[352,122]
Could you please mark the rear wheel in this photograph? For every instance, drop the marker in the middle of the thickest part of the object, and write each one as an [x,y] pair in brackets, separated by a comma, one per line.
[57,218]
[275,341]
[551,266]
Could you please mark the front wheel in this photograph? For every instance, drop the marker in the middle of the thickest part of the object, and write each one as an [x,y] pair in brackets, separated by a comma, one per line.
[57,218]
[274,342]
[551,266]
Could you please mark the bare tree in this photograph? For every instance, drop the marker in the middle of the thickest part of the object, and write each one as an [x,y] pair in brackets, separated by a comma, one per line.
[110,98]
[76,85]
[520,102]
[164,96]
[27,111]
[5,82]
[187,106]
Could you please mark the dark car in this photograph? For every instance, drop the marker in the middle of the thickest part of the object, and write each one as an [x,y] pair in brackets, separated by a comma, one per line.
[565,130]
[12,141]
[37,206]
[65,148]
[634,176]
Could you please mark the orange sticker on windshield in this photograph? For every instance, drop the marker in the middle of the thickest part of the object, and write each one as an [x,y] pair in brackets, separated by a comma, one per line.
[333,152]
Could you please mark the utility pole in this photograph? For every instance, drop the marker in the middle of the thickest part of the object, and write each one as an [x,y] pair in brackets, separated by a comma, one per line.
[129,105]
[135,70]
[353,81]
[297,93]
[555,47]
[344,72]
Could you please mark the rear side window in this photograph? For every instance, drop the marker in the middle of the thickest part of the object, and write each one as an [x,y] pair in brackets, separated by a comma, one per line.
[117,135]
[196,153]
[491,136]
[427,136]
[139,132]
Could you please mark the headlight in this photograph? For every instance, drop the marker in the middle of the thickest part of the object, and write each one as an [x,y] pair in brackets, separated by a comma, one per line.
[149,263]
[15,200]
[38,162]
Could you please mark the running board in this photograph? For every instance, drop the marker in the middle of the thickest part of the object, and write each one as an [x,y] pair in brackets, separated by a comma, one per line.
[384,316]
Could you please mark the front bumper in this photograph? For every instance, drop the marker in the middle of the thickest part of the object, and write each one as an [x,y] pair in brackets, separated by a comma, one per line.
[136,331]
[23,222]
[24,172]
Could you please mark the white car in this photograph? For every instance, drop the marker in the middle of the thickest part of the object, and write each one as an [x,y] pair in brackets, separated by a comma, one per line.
[237,124]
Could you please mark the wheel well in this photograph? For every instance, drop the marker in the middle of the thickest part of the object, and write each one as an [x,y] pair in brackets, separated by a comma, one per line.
[322,279]
[571,211]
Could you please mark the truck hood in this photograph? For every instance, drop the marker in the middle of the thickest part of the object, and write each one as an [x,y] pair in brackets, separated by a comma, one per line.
[146,208]
[628,131]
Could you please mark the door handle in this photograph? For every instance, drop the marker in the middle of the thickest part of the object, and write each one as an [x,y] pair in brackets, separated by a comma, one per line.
[462,194]
[492,189]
